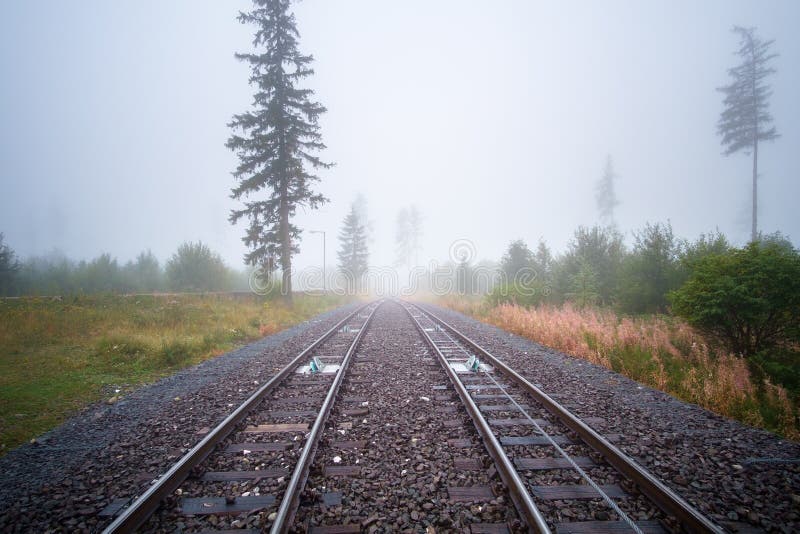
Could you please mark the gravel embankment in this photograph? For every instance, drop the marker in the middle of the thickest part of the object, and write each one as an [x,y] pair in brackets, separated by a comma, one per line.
[740,476]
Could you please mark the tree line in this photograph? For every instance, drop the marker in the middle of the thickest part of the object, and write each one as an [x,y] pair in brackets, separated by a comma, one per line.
[747,298]
[193,267]
[597,268]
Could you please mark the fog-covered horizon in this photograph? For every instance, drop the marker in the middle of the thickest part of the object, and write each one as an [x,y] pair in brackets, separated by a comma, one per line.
[496,123]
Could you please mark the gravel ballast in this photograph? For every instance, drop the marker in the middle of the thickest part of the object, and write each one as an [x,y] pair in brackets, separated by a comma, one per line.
[740,476]
[106,452]
[398,406]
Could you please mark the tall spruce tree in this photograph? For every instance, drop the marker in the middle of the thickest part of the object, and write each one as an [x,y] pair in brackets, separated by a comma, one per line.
[276,141]
[605,195]
[401,239]
[415,232]
[746,118]
[353,253]
[408,236]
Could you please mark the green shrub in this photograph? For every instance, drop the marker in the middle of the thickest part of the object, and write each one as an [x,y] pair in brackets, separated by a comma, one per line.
[590,268]
[781,366]
[650,271]
[748,299]
[174,353]
[583,286]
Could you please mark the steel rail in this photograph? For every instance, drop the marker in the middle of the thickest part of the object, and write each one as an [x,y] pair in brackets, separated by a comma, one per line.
[148,502]
[666,499]
[516,487]
[291,497]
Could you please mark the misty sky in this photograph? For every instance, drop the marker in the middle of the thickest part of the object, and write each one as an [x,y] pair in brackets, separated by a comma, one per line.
[494,118]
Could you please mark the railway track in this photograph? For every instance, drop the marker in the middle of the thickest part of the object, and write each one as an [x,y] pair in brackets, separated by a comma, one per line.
[529,434]
[265,442]
[410,426]
[410,461]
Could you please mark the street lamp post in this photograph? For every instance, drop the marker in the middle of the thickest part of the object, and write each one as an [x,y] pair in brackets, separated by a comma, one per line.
[324,283]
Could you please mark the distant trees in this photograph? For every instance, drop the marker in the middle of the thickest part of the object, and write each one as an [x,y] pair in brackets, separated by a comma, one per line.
[745,120]
[277,140]
[583,285]
[525,276]
[651,270]
[544,265]
[408,236]
[102,275]
[517,259]
[464,282]
[415,232]
[593,260]
[194,267]
[605,195]
[53,274]
[362,209]
[9,266]
[144,274]
[543,261]
[597,269]
[353,252]
[748,299]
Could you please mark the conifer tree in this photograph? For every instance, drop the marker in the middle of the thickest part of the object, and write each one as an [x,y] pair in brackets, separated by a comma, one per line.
[402,239]
[145,273]
[605,195]
[408,236]
[543,260]
[599,248]
[9,266]
[583,286]
[517,257]
[746,118]
[276,141]
[415,232]
[353,253]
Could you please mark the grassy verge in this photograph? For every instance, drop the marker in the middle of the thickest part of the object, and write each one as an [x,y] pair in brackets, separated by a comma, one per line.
[662,352]
[58,356]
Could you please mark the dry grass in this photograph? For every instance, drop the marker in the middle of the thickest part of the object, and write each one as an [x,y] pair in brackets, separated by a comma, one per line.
[659,351]
[56,356]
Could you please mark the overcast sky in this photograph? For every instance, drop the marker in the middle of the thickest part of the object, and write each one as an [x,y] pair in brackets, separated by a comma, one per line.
[494,118]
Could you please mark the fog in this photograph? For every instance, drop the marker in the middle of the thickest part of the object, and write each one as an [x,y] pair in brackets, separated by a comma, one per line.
[494,119]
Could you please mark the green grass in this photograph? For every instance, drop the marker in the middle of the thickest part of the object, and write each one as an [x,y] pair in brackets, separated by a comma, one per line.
[57,357]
